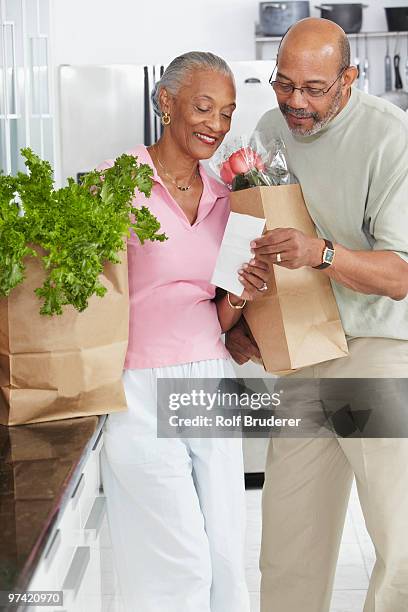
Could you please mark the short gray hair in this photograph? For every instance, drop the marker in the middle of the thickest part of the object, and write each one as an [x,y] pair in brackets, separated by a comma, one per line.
[181,67]
[345,51]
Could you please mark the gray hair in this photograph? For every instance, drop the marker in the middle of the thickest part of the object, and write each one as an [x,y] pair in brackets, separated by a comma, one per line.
[181,67]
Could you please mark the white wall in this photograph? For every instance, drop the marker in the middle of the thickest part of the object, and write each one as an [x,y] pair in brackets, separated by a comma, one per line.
[155,31]
[151,31]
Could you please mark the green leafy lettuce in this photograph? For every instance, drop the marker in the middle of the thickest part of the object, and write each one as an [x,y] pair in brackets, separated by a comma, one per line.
[75,230]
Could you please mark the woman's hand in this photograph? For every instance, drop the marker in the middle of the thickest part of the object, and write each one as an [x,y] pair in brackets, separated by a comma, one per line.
[254,278]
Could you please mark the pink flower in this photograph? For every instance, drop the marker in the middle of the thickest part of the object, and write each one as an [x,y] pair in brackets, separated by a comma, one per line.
[244,160]
[226,173]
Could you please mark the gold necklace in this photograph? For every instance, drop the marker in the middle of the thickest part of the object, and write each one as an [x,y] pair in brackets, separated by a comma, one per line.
[180,187]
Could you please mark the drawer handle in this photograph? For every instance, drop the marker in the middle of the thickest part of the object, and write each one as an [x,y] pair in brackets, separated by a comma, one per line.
[53,547]
[77,569]
[78,488]
[100,434]
[96,515]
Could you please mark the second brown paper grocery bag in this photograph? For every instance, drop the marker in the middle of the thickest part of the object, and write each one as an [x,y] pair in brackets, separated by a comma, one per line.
[297,322]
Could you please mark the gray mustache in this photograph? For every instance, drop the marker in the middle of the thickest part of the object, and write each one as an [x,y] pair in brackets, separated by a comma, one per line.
[298,112]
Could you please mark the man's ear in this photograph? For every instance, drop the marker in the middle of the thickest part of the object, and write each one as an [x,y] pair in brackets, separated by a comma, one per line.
[349,76]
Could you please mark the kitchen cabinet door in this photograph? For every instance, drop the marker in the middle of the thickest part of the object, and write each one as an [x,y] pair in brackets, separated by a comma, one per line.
[25,101]
[38,78]
[13,108]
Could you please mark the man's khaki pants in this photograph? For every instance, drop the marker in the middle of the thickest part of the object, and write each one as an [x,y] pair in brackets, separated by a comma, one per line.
[306,491]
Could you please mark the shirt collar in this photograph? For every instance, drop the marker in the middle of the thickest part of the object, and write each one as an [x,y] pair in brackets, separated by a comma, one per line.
[212,185]
[213,190]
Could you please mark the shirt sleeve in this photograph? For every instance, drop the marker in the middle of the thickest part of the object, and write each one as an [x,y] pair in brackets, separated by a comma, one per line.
[386,214]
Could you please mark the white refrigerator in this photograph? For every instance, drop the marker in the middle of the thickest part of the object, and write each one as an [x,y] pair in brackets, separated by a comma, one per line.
[104,111]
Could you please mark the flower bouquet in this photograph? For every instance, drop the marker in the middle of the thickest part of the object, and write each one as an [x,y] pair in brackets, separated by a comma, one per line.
[243,163]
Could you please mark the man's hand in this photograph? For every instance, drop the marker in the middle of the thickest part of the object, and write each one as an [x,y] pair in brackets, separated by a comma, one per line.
[370,272]
[295,249]
[240,343]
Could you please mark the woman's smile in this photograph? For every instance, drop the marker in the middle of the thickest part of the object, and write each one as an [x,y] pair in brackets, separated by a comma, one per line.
[206,139]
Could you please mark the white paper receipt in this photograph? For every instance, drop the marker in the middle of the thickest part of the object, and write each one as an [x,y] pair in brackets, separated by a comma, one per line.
[235,250]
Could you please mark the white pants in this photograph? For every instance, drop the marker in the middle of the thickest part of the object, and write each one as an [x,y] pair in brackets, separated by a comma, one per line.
[307,487]
[176,507]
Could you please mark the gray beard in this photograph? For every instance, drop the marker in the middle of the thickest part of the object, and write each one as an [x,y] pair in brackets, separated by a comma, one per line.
[319,122]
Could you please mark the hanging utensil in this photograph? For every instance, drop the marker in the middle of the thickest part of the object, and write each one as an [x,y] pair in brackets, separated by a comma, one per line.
[161,126]
[387,66]
[365,85]
[398,80]
[406,66]
[146,95]
[155,126]
[357,60]
[397,97]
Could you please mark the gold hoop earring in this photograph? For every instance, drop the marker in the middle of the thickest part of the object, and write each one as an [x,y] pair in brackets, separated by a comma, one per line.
[165,119]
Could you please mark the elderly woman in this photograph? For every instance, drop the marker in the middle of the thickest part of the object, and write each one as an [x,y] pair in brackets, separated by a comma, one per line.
[176,505]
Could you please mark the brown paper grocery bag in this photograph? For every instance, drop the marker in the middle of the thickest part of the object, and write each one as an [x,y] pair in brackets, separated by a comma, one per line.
[63,366]
[296,323]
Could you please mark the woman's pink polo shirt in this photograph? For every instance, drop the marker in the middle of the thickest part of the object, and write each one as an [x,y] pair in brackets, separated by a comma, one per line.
[173,319]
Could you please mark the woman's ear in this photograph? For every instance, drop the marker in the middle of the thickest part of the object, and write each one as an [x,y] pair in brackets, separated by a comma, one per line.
[164,101]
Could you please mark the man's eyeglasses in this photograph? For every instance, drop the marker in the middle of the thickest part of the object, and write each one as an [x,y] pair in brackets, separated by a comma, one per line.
[287,89]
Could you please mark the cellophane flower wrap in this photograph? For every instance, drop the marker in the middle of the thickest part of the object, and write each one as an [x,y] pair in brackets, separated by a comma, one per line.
[244,162]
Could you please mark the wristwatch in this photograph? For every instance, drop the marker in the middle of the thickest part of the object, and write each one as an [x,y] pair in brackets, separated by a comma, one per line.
[328,256]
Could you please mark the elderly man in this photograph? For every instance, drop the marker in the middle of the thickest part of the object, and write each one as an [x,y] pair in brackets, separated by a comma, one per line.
[349,151]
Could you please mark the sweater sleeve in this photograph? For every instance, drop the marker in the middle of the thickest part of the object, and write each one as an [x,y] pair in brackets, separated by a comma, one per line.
[386,214]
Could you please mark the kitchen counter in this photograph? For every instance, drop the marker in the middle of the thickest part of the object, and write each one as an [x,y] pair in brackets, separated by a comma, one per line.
[40,465]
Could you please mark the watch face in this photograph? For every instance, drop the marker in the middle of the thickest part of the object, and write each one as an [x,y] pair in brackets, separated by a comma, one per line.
[328,256]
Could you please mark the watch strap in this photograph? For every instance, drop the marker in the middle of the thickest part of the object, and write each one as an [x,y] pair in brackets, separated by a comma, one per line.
[325,264]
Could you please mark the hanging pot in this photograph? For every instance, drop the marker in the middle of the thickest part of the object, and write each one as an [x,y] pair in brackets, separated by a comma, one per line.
[397,97]
[397,18]
[277,17]
[347,16]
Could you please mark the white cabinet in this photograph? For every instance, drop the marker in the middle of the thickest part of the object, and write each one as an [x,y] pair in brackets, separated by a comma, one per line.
[74,559]
[26,117]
